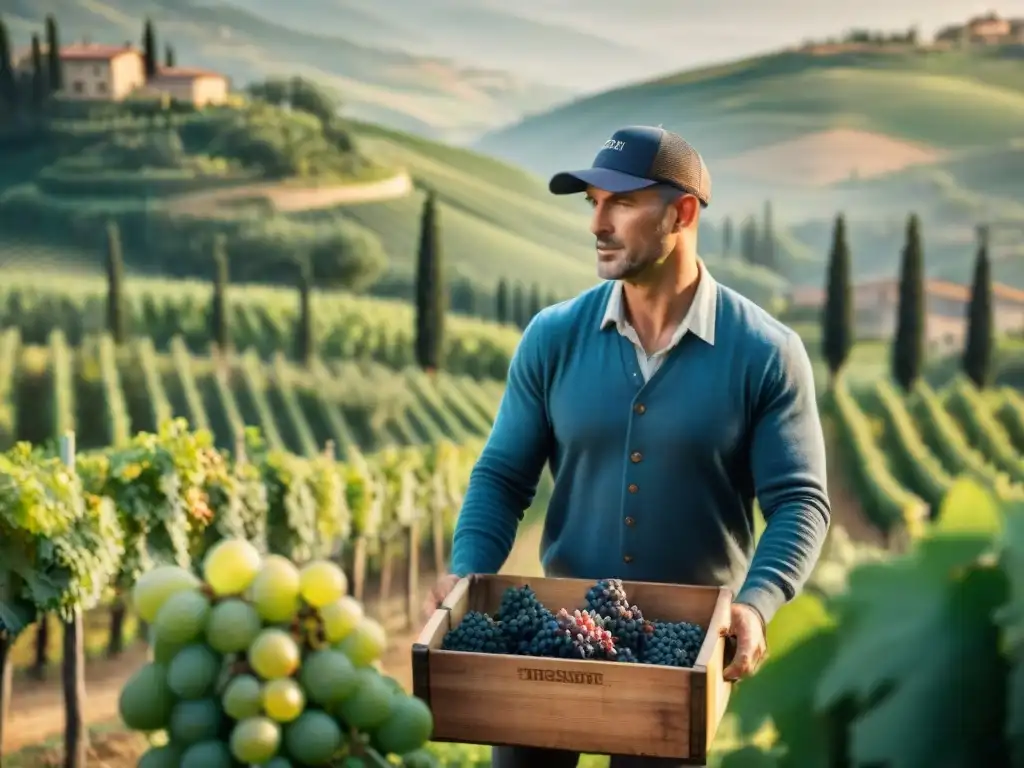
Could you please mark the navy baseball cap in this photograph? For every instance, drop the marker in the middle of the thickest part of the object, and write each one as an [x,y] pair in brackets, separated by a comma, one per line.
[637,157]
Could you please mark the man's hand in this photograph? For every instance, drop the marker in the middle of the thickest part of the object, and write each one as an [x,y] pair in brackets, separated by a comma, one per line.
[438,593]
[751,645]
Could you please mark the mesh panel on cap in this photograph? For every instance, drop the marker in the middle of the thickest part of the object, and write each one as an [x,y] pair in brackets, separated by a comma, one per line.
[678,162]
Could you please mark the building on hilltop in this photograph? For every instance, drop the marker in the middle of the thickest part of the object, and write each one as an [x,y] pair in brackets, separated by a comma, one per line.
[876,301]
[98,72]
[990,29]
[113,73]
[198,87]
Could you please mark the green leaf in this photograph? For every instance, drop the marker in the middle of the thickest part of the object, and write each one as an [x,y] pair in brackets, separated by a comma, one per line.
[801,641]
[945,710]
[1010,618]
[750,757]
[16,611]
[875,647]
[968,510]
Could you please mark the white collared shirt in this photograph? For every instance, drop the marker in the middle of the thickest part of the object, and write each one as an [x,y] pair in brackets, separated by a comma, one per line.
[699,320]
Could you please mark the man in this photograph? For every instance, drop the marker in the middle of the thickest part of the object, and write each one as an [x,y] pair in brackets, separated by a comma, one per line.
[665,404]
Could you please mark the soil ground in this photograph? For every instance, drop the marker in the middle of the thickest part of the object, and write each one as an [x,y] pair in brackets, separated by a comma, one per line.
[36,714]
[833,156]
[285,198]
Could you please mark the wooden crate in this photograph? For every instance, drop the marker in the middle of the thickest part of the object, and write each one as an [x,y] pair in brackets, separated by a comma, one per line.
[597,707]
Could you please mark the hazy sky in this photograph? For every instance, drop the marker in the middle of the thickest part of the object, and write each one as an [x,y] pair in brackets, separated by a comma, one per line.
[680,34]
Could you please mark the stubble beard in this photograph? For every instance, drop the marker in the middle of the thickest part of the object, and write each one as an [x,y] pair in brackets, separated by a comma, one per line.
[628,263]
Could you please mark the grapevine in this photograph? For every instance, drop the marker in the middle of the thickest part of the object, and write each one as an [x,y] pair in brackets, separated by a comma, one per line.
[607,629]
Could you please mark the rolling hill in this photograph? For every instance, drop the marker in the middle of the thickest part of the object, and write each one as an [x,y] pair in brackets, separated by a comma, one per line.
[431,94]
[819,131]
[497,221]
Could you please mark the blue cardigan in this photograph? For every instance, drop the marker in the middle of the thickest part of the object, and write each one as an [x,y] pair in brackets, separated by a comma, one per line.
[656,481]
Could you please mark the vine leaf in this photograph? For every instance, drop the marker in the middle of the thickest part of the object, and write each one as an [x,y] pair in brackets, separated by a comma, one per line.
[801,641]
[923,720]
[1010,617]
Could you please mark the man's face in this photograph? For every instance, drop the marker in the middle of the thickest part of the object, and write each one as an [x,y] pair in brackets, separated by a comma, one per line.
[634,232]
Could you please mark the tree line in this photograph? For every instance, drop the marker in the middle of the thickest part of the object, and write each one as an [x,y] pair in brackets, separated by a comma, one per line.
[910,340]
[31,90]
[753,243]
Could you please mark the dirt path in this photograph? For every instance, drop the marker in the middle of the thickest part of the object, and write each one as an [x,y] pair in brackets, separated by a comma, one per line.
[847,509]
[285,198]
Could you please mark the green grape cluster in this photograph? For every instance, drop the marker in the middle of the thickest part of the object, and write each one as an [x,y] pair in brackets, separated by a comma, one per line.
[263,663]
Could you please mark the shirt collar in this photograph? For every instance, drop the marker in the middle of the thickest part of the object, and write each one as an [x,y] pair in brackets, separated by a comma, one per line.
[699,319]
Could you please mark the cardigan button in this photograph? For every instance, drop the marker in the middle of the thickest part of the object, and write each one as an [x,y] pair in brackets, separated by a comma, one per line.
[627,558]
[630,521]
[633,488]
[636,457]
[640,408]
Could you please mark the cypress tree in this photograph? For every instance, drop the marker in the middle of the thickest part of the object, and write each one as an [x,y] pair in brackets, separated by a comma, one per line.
[54,66]
[519,305]
[766,250]
[149,49]
[748,241]
[837,317]
[8,84]
[169,57]
[305,343]
[502,303]
[39,86]
[535,304]
[977,360]
[727,234]
[908,346]
[116,320]
[430,293]
[219,323]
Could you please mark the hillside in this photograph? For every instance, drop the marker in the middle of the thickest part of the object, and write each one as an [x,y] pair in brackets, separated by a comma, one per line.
[818,131]
[430,94]
[172,190]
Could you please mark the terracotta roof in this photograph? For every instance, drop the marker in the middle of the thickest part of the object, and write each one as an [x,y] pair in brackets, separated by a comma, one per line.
[90,52]
[937,288]
[186,73]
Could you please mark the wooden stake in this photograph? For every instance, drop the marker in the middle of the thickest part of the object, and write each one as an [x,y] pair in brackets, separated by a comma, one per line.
[413,575]
[76,739]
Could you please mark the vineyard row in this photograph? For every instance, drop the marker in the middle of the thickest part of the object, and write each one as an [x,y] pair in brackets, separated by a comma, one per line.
[105,394]
[69,533]
[907,449]
[262,318]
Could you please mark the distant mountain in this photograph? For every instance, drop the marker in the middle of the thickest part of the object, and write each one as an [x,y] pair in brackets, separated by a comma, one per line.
[428,94]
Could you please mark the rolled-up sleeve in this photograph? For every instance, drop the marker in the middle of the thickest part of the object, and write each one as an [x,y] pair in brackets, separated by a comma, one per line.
[788,466]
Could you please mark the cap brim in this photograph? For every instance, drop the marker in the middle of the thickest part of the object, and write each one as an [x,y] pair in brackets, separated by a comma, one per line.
[616,182]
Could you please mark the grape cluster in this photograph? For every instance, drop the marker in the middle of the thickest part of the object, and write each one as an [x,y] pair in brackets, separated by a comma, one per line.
[264,663]
[582,636]
[477,633]
[607,598]
[608,629]
[522,617]
[673,644]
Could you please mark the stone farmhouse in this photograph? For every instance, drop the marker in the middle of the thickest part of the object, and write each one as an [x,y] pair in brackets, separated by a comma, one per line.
[990,29]
[114,73]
